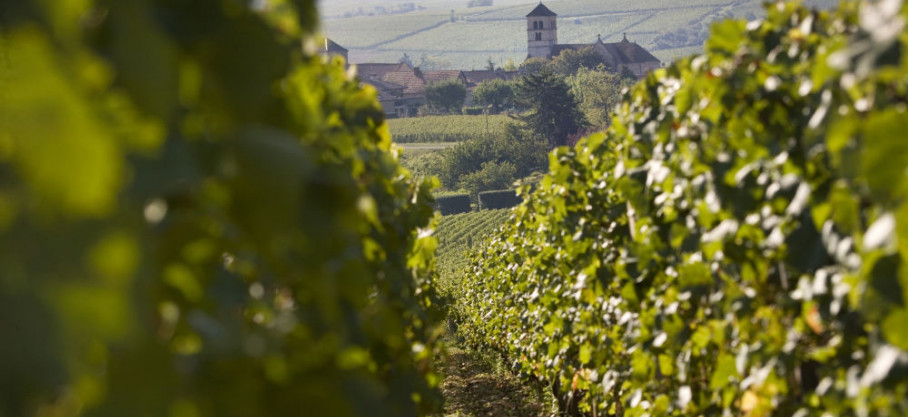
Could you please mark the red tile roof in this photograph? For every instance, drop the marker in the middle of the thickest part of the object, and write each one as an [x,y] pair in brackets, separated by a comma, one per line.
[413,85]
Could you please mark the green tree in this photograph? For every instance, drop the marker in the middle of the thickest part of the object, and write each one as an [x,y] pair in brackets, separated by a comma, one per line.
[627,74]
[445,97]
[597,91]
[553,112]
[533,65]
[516,146]
[490,176]
[499,94]
[569,61]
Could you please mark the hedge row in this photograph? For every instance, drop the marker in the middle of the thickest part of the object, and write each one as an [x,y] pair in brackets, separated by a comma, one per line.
[490,200]
[735,244]
[453,204]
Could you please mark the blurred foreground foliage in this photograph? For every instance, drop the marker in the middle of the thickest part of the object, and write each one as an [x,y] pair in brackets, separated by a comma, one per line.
[735,244]
[200,217]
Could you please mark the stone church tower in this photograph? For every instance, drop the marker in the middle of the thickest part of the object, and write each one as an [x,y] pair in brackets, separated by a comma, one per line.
[542,32]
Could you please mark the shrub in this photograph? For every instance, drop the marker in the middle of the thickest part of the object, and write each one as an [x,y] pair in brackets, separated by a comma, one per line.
[516,146]
[424,164]
[491,176]
[491,200]
[473,110]
[453,204]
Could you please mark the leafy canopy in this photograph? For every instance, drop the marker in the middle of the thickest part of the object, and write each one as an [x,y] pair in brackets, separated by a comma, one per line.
[200,218]
[552,108]
[445,97]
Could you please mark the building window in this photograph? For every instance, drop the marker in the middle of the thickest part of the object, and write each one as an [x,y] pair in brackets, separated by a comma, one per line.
[540,25]
[535,25]
[538,36]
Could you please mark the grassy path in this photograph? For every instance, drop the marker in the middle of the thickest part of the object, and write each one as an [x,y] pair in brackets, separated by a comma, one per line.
[473,388]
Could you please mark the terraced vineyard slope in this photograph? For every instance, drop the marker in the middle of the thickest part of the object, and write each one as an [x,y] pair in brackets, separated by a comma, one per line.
[455,36]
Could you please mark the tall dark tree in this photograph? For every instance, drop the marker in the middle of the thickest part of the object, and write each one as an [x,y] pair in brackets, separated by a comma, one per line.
[553,111]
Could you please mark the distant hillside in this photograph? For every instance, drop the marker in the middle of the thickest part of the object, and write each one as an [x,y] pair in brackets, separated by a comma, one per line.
[430,36]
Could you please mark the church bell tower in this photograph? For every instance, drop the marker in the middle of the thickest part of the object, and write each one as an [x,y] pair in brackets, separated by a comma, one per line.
[542,32]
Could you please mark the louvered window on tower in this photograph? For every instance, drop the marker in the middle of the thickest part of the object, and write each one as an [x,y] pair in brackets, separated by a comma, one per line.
[538,36]
[535,25]
[540,25]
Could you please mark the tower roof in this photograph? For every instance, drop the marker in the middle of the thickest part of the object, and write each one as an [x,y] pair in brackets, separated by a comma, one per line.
[331,46]
[541,10]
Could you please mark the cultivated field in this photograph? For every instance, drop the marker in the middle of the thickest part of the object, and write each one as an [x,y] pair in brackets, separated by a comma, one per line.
[498,33]
[445,128]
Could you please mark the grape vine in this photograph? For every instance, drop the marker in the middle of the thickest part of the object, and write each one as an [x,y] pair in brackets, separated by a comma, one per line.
[198,217]
[734,244]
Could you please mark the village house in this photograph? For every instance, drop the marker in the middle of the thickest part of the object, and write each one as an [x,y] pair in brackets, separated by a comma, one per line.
[401,88]
[542,42]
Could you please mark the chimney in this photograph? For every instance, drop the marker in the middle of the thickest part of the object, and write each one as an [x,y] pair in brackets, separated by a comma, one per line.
[417,72]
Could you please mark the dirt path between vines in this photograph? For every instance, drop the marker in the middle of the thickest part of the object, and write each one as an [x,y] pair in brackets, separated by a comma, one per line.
[472,388]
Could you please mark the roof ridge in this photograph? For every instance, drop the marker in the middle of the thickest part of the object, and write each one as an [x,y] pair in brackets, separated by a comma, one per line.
[541,10]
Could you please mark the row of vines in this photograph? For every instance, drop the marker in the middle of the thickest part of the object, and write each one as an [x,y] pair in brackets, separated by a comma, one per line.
[735,244]
[447,128]
[459,234]
[198,217]
[461,229]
